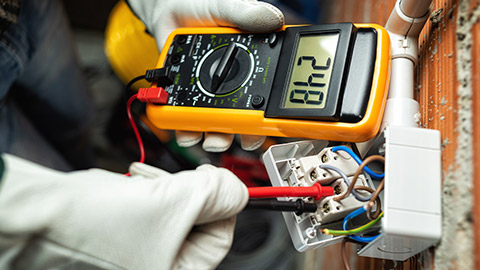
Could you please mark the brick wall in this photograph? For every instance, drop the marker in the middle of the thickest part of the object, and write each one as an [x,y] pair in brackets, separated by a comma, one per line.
[446,85]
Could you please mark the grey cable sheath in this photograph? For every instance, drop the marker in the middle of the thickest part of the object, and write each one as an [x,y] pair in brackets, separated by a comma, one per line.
[345,178]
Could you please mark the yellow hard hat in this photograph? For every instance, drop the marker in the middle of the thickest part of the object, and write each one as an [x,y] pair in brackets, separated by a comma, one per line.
[130,50]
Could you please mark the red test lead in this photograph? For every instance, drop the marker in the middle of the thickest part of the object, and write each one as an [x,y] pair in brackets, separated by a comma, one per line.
[316,191]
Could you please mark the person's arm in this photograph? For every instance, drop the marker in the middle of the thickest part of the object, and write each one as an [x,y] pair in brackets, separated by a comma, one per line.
[96,218]
[2,168]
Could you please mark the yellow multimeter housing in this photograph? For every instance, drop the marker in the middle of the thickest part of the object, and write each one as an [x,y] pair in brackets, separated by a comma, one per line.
[325,82]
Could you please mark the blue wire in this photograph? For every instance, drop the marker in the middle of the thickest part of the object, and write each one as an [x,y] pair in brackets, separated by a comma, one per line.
[345,179]
[358,160]
[353,214]
[363,239]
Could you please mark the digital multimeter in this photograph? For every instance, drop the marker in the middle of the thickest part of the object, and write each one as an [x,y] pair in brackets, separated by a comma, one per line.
[324,82]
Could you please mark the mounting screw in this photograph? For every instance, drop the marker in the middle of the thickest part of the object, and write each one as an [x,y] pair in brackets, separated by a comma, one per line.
[310,232]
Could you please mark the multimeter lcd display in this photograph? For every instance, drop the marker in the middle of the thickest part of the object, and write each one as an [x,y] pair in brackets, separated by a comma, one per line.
[311,72]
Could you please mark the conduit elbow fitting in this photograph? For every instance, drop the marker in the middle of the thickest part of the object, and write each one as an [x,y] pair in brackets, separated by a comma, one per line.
[404,30]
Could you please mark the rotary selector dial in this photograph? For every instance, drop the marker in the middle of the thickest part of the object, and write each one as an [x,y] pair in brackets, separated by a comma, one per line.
[224,69]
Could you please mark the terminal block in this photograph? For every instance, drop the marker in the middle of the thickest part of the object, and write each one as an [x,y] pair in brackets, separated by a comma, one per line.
[410,200]
[304,164]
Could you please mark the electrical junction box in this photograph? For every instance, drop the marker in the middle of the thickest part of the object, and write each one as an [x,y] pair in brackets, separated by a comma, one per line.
[410,200]
[412,196]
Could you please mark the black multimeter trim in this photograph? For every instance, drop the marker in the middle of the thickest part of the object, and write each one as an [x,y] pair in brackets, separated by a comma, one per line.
[331,111]
[360,76]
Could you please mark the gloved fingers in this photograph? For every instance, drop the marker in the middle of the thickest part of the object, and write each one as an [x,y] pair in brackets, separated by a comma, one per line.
[252,16]
[224,194]
[206,246]
[217,142]
[188,138]
[162,17]
[142,169]
[251,142]
[249,15]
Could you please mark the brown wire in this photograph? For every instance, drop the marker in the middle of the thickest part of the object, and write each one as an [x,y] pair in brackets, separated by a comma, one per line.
[346,264]
[357,174]
[375,198]
[343,252]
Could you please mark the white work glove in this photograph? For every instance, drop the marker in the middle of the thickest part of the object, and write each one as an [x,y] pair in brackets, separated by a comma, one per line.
[163,16]
[97,219]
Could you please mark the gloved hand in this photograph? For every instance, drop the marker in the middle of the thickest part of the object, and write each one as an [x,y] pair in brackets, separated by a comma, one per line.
[163,16]
[97,219]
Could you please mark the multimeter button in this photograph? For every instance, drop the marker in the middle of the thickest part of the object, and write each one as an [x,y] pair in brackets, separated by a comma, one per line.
[272,39]
[174,59]
[257,101]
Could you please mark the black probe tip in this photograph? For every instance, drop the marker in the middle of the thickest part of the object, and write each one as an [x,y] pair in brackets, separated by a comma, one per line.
[298,206]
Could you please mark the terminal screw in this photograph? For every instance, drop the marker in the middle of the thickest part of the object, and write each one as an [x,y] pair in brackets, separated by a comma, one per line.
[326,208]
